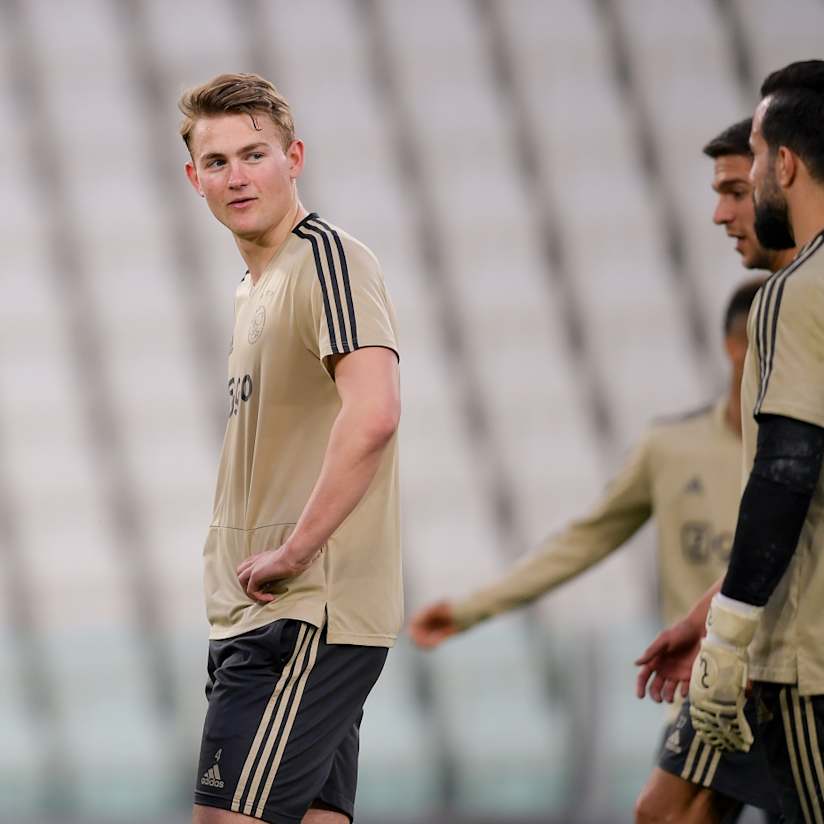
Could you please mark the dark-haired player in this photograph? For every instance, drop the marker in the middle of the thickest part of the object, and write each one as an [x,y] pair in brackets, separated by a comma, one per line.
[685,473]
[732,160]
[728,776]
[677,789]
[767,622]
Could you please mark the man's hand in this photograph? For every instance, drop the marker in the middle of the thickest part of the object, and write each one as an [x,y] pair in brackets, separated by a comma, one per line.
[719,676]
[432,625]
[668,662]
[258,572]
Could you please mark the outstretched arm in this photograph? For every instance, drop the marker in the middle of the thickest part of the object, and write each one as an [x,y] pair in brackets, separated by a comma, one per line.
[624,509]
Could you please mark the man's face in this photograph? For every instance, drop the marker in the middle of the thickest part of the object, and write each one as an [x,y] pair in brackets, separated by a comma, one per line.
[772,216]
[240,167]
[734,209]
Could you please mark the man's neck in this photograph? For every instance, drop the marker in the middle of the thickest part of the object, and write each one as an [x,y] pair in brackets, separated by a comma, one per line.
[807,214]
[782,259]
[258,252]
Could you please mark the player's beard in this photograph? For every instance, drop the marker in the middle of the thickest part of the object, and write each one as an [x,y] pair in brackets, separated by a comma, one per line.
[772,218]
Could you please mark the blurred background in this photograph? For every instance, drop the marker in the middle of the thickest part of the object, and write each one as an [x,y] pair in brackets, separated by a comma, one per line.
[530,174]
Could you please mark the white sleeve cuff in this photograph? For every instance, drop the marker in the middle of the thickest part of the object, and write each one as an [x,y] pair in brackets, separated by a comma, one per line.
[744,609]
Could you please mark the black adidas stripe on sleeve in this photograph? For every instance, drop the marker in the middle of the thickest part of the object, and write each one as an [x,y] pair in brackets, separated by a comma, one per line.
[347,287]
[330,323]
[318,233]
[768,309]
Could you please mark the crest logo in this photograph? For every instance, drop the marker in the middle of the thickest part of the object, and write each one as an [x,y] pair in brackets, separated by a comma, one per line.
[257,324]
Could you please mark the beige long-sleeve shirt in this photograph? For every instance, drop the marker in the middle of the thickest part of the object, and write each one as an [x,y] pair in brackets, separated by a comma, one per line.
[686,474]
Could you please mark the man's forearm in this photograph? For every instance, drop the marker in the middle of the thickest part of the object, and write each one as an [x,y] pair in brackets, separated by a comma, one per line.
[559,558]
[697,616]
[773,507]
[353,455]
[539,573]
[789,460]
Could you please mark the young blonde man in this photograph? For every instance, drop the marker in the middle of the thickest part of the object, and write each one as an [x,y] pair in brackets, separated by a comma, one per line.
[302,560]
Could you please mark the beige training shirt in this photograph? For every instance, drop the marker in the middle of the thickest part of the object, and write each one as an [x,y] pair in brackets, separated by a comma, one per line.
[322,294]
[686,474]
[784,375]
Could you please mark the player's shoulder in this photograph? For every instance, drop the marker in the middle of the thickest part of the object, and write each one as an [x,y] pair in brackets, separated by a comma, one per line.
[680,425]
[811,258]
[800,284]
[672,436]
[327,241]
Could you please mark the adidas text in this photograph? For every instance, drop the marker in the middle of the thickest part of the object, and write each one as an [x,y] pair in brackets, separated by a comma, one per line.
[212,777]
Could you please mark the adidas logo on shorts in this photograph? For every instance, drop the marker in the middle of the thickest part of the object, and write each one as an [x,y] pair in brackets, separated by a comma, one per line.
[673,743]
[211,777]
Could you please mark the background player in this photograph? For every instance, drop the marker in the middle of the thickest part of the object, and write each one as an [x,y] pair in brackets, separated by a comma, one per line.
[672,792]
[303,594]
[684,474]
[732,161]
[734,210]
[663,669]
[772,591]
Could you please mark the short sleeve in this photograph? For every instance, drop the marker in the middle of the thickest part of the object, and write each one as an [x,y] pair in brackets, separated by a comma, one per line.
[789,333]
[350,306]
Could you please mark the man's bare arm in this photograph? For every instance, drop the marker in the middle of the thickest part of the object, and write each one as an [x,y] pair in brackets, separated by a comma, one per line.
[368,384]
[624,508]
[666,664]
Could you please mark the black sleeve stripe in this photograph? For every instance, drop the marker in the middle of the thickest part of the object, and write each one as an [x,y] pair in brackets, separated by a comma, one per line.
[778,282]
[333,278]
[330,323]
[353,323]
[764,309]
[761,329]
[779,293]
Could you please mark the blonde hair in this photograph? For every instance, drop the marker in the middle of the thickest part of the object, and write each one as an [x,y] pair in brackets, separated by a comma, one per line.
[236,94]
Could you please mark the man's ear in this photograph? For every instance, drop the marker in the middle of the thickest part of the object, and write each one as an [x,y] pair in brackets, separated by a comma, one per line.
[191,173]
[786,167]
[295,156]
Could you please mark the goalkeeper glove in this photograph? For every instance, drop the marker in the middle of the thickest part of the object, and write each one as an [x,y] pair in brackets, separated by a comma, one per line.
[719,675]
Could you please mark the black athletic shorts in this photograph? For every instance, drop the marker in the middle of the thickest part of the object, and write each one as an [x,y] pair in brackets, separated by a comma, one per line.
[792,728]
[281,730]
[742,776]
